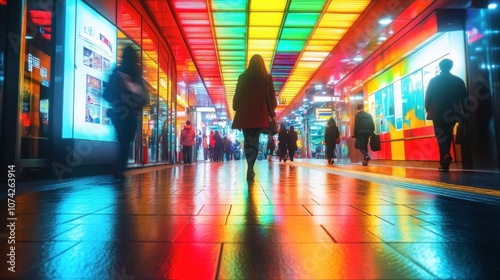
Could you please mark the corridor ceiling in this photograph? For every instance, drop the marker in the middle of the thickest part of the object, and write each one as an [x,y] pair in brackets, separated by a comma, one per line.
[303,42]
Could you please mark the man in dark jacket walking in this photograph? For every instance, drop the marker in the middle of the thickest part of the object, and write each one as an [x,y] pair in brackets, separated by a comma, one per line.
[363,129]
[443,103]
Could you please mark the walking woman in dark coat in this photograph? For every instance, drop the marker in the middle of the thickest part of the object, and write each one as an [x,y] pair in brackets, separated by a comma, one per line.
[283,143]
[331,135]
[292,142]
[270,147]
[127,95]
[249,102]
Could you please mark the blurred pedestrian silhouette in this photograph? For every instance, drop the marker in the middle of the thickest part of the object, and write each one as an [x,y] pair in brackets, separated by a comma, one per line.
[188,140]
[204,145]
[282,143]
[270,147]
[127,95]
[443,103]
[218,147]
[249,102]
[292,138]
[364,127]
[331,135]
[211,145]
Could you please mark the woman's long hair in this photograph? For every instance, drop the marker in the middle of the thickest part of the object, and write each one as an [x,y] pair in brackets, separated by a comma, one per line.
[256,66]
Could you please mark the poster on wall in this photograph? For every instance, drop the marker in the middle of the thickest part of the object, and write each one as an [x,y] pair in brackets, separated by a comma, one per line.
[382,109]
[95,57]
[413,100]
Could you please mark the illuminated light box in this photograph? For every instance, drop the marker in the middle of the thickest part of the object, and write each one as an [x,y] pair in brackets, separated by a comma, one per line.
[323,114]
[205,109]
[94,40]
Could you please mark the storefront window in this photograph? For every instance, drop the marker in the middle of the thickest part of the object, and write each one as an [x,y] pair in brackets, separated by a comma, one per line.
[123,42]
[163,90]
[150,68]
[172,101]
[3,21]
[150,114]
[36,92]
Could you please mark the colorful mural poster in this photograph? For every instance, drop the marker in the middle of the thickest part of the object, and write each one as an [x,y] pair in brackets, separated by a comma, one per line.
[413,100]
[95,57]
[93,100]
[383,109]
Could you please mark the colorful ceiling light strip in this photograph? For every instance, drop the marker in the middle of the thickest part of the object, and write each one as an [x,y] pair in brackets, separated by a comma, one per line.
[333,25]
[196,23]
[229,21]
[294,38]
[301,18]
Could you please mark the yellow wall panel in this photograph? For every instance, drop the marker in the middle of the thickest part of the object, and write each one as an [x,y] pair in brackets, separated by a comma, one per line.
[398,150]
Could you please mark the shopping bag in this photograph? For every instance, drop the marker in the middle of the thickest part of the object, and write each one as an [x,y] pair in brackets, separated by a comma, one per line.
[465,133]
[375,142]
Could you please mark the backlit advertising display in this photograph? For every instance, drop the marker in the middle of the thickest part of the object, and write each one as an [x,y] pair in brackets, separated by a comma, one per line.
[94,44]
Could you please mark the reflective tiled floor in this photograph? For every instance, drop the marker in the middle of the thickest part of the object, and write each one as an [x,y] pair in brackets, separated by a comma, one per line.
[300,220]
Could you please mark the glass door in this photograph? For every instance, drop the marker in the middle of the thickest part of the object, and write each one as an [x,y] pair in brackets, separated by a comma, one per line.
[3,36]
[36,88]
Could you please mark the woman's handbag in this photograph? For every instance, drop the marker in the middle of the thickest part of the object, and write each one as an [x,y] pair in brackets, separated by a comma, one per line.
[273,124]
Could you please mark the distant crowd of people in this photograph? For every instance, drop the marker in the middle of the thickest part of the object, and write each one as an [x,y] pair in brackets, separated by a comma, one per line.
[219,148]
[287,143]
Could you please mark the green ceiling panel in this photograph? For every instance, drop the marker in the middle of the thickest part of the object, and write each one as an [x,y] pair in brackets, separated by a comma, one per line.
[231,32]
[232,53]
[295,33]
[306,5]
[301,19]
[229,19]
[231,47]
[291,45]
[225,63]
[229,5]
[240,42]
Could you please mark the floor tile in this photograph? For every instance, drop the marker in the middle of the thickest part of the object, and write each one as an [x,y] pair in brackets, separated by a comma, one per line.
[316,261]
[110,260]
[454,260]
[300,220]
[252,233]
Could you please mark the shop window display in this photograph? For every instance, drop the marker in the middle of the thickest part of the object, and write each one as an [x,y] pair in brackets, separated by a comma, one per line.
[36,97]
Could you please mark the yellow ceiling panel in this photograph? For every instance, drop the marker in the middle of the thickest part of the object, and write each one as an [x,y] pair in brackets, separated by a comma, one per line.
[266,5]
[346,6]
[314,56]
[307,65]
[263,32]
[329,33]
[261,44]
[338,20]
[266,18]
[319,48]
[326,42]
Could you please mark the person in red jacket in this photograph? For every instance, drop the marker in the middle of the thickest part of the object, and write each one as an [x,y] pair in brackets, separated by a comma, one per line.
[188,137]
[249,102]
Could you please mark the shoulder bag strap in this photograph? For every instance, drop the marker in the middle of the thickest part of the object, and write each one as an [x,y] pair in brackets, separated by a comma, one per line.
[268,101]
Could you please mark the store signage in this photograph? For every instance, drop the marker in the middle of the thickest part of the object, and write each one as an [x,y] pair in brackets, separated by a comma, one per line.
[324,114]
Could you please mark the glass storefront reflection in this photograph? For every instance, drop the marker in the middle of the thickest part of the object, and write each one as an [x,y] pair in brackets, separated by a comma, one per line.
[34,126]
